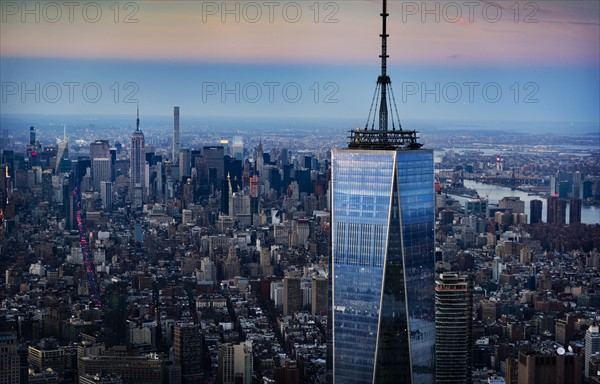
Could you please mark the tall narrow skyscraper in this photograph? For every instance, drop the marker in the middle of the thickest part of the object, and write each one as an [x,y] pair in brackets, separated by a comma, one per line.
[557,210]
[137,165]
[31,135]
[187,351]
[453,314]
[382,313]
[575,211]
[175,134]
[535,211]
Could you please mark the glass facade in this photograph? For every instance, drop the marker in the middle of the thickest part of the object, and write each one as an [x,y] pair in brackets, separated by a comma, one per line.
[382,273]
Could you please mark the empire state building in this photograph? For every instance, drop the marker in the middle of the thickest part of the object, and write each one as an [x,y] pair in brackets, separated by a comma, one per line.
[137,166]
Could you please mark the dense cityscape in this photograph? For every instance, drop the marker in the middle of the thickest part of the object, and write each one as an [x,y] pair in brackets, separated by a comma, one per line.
[166,248]
[228,251]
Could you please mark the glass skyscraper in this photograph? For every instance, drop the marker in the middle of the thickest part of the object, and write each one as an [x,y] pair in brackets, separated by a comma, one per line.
[382,272]
[382,303]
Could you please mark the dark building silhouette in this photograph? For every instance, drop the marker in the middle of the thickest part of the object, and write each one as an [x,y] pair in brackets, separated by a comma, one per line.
[564,189]
[292,295]
[233,169]
[225,183]
[557,210]
[215,163]
[9,358]
[287,374]
[304,181]
[275,180]
[575,211]
[115,317]
[535,211]
[187,352]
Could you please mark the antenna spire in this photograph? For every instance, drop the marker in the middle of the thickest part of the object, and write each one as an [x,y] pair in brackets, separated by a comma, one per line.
[137,121]
[380,137]
[383,79]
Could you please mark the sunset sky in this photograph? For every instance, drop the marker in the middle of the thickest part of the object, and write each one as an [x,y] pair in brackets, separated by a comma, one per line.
[544,58]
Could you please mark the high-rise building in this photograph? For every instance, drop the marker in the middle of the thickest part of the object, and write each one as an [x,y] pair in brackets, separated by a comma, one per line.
[215,163]
[31,135]
[557,210]
[225,194]
[453,311]
[535,211]
[550,367]
[259,158]
[137,167]
[477,207]
[9,359]
[564,189]
[47,191]
[115,318]
[175,151]
[187,352]
[514,203]
[185,163]
[292,296]
[575,211]
[255,193]
[319,296]
[62,155]
[592,346]
[382,262]
[237,148]
[101,171]
[106,195]
[235,363]
[577,191]
[99,149]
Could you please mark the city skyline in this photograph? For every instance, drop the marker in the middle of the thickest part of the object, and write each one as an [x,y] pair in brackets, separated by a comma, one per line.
[266,234]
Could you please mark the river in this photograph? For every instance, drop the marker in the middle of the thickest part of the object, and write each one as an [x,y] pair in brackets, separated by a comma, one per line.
[494,193]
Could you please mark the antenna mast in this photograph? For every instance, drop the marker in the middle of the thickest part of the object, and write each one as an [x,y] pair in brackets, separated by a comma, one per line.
[381,137]
[137,121]
[383,79]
